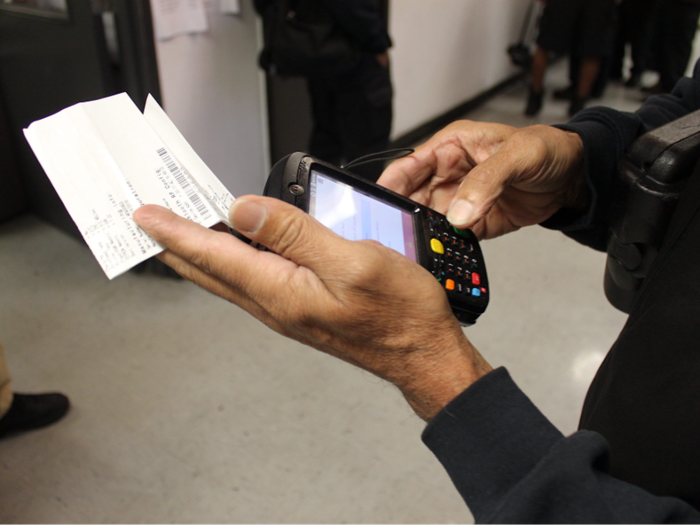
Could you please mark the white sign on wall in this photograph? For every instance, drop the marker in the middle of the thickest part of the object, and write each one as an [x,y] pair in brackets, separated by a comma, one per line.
[230,7]
[177,17]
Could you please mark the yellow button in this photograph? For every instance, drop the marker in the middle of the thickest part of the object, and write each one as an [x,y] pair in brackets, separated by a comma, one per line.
[437,246]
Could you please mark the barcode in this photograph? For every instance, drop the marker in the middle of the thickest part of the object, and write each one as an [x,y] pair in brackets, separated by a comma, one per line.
[184,183]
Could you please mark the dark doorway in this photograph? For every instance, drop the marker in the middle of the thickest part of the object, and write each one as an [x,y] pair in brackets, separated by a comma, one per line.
[55,53]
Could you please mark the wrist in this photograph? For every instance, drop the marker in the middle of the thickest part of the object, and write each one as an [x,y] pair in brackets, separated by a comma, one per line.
[577,195]
[432,382]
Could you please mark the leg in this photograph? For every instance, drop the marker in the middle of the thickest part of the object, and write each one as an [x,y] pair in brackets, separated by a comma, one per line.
[540,61]
[680,20]
[588,74]
[622,35]
[643,18]
[594,40]
[536,95]
[364,113]
[5,388]
[324,142]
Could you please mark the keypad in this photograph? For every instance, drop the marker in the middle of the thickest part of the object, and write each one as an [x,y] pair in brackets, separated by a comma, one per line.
[453,262]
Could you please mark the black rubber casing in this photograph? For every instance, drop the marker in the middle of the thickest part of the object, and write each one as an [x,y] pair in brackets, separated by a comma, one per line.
[289,181]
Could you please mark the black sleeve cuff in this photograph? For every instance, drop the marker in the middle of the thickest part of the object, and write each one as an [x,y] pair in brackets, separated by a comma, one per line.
[606,135]
[488,439]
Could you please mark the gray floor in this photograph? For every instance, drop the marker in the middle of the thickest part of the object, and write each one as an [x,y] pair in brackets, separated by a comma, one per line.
[185,409]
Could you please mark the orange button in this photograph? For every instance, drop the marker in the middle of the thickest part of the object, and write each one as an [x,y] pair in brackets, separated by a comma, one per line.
[450,284]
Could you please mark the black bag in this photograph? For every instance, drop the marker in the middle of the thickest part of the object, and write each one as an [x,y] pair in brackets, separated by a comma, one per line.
[651,180]
[520,52]
[303,38]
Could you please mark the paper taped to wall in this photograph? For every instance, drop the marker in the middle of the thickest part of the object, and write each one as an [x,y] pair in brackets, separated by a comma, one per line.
[105,159]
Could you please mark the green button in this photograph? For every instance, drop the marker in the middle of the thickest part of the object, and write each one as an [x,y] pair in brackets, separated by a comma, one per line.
[436,246]
[463,233]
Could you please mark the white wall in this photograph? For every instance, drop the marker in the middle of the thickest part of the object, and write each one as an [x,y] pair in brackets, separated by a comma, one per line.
[211,88]
[447,52]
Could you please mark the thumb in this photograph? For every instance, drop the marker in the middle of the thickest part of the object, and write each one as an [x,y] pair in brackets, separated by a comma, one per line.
[478,192]
[284,229]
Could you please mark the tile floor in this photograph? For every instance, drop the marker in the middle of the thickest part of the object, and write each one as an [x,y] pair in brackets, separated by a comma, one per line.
[187,410]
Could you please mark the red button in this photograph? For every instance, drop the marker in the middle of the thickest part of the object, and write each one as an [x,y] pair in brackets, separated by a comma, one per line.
[475,278]
[483,290]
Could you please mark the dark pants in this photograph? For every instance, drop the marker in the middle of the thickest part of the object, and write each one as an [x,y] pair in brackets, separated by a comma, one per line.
[677,24]
[635,25]
[601,81]
[352,114]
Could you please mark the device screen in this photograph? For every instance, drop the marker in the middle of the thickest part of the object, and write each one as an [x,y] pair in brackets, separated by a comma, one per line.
[357,216]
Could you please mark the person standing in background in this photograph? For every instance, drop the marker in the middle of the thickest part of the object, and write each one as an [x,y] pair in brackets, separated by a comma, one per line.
[673,38]
[574,27]
[351,105]
[635,25]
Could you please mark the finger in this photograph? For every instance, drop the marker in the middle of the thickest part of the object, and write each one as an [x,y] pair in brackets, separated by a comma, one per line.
[482,187]
[219,254]
[212,283]
[289,232]
[406,175]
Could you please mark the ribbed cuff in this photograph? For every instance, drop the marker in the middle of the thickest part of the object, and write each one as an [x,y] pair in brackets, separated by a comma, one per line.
[488,439]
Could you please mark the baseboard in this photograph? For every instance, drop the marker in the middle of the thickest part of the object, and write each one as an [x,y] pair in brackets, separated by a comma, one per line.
[424,131]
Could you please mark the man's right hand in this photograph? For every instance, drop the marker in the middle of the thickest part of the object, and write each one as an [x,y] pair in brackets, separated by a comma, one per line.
[356,300]
[493,178]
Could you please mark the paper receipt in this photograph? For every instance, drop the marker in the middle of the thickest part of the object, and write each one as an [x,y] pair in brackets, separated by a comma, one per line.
[105,159]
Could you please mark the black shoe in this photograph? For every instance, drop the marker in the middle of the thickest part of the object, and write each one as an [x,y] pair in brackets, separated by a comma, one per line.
[656,89]
[31,411]
[633,81]
[577,104]
[534,103]
[564,93]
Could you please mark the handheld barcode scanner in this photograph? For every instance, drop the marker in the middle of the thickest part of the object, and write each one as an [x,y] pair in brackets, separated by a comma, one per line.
[652,177]
[357,209]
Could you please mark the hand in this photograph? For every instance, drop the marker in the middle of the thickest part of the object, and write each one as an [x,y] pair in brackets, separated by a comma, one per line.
[493,178]
[358,301]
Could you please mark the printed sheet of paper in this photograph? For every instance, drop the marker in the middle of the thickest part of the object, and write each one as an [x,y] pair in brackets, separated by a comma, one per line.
[105,159]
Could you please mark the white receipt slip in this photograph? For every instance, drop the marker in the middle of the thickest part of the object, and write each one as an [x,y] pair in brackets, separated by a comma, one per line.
[105,159]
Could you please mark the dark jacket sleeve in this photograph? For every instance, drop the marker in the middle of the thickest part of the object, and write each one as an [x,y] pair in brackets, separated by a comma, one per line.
[511,465]
[364,21]
[606,135]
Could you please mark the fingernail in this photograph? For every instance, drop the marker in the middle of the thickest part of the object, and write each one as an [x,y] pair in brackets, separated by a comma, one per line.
[247,216]
[460,213]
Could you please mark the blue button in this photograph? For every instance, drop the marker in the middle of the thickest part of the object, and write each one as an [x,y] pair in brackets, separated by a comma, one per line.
[476,292]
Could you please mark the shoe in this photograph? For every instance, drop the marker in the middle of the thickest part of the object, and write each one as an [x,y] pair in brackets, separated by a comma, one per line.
[633,81]
[656,89]
[534,103]
[577,104]
[564,93]
[31,411]
[597,93]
